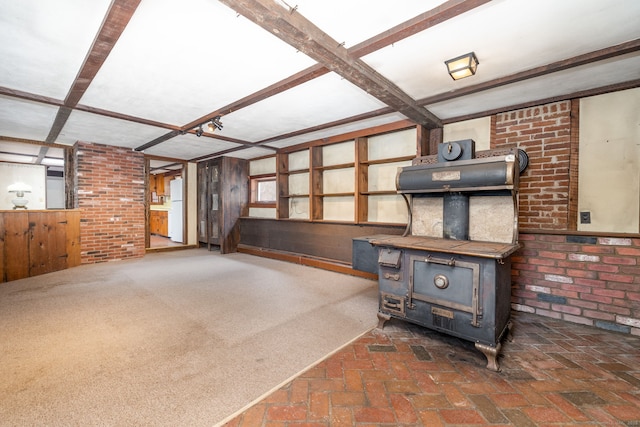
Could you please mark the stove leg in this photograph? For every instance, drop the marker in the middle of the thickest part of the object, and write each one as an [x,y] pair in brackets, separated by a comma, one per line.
[382,319]
[510,331]
[491,353]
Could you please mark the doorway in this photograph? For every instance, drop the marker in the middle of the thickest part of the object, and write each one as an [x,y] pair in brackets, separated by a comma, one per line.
[166,201]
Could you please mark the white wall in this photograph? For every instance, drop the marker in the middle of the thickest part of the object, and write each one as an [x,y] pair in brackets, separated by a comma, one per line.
[477,129]
[32,175]
[609,172]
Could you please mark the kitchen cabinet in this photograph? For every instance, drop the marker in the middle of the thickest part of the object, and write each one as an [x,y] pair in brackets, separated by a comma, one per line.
[159,223]
[223,196]
[157,184]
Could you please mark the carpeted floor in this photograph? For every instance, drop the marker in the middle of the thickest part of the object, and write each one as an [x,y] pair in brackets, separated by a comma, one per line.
[175,338]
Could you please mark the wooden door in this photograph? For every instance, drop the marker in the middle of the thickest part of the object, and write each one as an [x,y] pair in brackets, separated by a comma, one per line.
[214,203]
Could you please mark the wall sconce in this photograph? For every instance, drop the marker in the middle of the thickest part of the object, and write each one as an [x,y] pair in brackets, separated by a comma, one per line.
[19,188]
[462,66]
[215,124]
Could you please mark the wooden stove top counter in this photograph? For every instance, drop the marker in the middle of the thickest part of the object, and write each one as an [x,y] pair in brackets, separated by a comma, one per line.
[460,247]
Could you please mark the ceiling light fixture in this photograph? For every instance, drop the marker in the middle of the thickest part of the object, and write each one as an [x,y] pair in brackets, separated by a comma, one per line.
[199,132]
[462,66]
[215,124]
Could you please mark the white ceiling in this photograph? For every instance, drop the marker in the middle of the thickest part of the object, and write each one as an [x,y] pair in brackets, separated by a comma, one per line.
[176,63]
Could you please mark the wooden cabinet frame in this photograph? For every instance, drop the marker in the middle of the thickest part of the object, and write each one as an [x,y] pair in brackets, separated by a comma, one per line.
[424,140]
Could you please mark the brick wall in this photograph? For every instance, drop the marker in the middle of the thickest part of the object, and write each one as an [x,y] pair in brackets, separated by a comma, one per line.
[544,133]
[110,189]
[582,279]
[590,280]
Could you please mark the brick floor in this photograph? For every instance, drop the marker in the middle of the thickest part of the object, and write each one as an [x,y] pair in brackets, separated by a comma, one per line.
[553,373]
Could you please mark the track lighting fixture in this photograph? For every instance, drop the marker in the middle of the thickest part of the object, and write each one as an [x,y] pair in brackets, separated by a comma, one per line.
[199,132]
[215,124]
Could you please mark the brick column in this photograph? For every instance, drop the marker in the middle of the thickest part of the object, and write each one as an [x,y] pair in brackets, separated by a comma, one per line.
[111,198]
[544,132]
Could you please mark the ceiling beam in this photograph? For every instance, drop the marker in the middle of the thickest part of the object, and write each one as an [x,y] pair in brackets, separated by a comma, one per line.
[565,64]
[447,10]
[595,56]
[115,21]
[299,32]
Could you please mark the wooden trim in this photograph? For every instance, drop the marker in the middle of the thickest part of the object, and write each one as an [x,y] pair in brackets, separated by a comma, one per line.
[305,260]
[436,137]
[375,130]
[580,233]
[302,34]
[574,165]
[361,179]
[492,131]
[576,61]
[576,95]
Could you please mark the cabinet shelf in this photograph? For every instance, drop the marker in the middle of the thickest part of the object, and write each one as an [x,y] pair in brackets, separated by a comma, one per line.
[294,172]
[334,194]
[332,167]
[389,160]
[380,193]
[291,196]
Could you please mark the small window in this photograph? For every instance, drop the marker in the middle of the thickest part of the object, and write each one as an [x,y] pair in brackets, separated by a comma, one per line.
[263,191]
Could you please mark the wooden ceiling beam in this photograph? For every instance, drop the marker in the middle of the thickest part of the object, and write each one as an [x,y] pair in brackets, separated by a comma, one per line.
[576,61]
[299,32]
[116,20]
[447,10]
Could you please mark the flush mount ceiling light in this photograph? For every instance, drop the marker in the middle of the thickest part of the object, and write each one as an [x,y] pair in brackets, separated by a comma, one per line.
[215,124]
[462,66]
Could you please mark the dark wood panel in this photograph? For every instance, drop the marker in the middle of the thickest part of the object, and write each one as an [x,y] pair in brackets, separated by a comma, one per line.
[324,240]
[223,188]
[234,203]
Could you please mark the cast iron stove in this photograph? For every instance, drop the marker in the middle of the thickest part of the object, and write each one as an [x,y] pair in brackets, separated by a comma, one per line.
[451,270]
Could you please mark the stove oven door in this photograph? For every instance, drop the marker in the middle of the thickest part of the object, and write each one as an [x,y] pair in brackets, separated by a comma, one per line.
[450,286]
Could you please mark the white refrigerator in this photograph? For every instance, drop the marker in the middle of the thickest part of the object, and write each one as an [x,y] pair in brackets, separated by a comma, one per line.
[175,213]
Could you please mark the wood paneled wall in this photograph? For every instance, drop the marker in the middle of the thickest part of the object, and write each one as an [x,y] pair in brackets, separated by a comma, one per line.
[38,242]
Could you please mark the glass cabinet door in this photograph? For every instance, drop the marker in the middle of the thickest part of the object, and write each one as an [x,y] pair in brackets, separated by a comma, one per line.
[214,204]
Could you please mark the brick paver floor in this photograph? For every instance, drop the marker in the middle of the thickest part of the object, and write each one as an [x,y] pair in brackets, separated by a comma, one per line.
[553,373]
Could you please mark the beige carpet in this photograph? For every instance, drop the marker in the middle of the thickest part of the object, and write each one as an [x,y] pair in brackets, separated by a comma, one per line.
[182,338]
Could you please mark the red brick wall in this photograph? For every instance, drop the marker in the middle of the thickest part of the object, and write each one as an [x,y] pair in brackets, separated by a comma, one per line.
[110,190]
[582,279]
[590,280]
[544,133]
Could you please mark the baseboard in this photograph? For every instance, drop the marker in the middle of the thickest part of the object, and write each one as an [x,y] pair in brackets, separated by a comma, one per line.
[307,260]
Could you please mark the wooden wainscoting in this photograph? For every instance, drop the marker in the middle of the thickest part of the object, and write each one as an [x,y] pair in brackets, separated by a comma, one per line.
[38,242]
[319,244]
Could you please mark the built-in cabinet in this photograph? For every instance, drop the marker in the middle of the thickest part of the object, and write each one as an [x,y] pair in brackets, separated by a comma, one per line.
[38,242]
[351,181]
[223,191]
[159,223]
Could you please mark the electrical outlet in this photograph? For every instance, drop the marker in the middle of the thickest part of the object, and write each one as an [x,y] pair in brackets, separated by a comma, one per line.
[585,217]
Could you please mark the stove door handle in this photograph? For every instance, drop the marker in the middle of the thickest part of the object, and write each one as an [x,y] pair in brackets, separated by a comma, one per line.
[450,262]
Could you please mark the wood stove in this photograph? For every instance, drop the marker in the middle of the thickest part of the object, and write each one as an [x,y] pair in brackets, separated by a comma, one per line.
[451,270]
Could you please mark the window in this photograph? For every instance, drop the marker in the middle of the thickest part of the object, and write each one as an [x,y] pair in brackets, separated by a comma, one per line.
[263,190]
